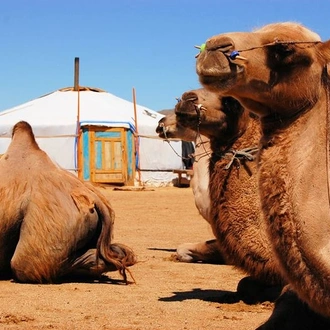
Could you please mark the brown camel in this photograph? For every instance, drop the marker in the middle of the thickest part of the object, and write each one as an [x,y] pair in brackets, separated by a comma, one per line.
[168,128]
[235,214]
[53,226]
[281,73]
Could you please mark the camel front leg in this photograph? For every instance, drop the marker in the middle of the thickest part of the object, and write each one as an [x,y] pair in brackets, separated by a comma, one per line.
[207,252]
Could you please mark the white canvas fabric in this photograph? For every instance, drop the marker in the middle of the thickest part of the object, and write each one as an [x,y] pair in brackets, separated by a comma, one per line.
[54,116]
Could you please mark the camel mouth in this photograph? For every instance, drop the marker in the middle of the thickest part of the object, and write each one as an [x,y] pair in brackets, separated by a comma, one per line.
[186,107]
[188,119]
[216,83]
[160,128]
[216,72]
[164,132]
[212,72]
[161,135]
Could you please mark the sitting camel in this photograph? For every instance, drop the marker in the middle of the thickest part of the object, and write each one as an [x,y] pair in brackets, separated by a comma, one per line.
[235,213]
[53,226]
[208,251]
[281,73]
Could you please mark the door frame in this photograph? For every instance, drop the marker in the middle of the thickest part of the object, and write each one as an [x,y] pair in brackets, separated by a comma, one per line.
[87,153]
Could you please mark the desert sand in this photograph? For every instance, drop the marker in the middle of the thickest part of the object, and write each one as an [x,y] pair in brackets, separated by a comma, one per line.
[166,295]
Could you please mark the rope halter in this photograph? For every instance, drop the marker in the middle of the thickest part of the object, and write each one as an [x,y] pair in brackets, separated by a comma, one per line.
[235,54]
[239,155]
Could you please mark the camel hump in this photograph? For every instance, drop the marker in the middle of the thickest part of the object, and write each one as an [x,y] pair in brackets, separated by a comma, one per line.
[22,133]
[22,126]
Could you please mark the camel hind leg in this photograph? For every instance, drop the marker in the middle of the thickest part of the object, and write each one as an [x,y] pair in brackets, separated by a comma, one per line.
[8,243]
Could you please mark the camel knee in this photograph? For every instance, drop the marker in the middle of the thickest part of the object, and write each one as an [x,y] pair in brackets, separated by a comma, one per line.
[253,291]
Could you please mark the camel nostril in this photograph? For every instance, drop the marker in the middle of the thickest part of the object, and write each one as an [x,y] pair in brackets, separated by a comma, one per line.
[191,99]
[223,48]
[223,44]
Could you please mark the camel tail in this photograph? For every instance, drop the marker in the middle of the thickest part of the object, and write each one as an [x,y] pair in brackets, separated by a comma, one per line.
[123,257]
[118,255]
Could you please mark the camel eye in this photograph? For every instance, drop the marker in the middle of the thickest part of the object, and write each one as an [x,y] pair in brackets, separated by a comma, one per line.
[230,104]
[280,55]
[283,50]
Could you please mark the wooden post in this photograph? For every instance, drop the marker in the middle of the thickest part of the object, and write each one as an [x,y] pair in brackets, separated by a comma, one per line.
[76,88]
[76,74]
[136,135]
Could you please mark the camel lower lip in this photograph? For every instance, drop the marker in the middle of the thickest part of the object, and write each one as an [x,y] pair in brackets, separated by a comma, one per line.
[213,80]
[186,115]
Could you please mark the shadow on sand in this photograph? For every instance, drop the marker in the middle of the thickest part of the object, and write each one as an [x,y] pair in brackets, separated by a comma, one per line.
[219,296]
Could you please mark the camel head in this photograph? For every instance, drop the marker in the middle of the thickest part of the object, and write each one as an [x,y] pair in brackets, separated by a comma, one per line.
[211,114]
[169,128]
[277,70]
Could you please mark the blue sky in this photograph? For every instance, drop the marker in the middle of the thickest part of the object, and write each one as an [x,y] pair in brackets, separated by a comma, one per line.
[145,44]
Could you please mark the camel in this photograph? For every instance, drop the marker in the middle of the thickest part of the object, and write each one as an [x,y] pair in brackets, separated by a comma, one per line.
[235,214]
[207,251]
[281,73]
[53,226]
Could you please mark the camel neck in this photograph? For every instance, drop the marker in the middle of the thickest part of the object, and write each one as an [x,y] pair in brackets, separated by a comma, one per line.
[235,191]
[245,141]
[294,170]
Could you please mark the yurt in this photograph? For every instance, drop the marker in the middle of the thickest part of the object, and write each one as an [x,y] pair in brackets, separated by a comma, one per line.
[97,135]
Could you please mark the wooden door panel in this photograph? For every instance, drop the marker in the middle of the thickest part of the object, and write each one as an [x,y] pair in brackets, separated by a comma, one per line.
[108,162]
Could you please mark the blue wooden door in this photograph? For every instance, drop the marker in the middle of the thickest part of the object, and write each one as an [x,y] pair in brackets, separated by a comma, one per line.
[109,162]
[107,155]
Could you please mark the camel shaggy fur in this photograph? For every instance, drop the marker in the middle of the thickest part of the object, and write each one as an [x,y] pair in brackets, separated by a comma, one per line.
[168,128]
[53,226]
[281,73]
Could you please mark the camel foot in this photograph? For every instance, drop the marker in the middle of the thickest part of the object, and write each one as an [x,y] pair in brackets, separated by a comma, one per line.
[253,291]
[207,252]
[291,313]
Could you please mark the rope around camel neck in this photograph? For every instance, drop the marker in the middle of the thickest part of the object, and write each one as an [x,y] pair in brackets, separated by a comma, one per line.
[327,90]
[239,155]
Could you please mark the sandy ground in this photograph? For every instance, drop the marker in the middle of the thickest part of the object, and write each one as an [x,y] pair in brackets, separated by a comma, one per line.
[168,295]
